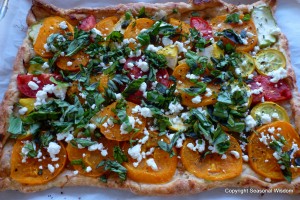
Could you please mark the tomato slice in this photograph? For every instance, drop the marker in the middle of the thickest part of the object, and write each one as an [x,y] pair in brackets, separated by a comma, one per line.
[271,91]
[162,76]
[133,71]
[202,26]
[88,23]
[43,79]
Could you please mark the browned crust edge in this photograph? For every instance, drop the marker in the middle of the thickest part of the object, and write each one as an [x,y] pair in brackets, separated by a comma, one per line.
[183,182]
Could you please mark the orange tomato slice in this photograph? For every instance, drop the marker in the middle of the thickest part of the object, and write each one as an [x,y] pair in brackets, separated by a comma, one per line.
[113,132]
[106,25]
[185,27]
[91,158]
[180,73]
[103,81]
[166,165]
[73,62]
[50,26]
[212,167]
[30,172]
[135,27]
[219,25]
[258,152]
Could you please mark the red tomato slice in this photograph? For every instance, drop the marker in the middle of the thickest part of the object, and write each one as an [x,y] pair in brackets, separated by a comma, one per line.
[136,97]
[133,71]
[43,79]
[202,26]
[271,91]
[88,23]
[162,77]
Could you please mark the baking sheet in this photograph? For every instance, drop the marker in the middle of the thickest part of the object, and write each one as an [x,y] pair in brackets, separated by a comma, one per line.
[13,30]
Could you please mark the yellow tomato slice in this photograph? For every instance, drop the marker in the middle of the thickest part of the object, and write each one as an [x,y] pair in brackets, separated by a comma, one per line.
[212,166]
[261,156]
[33,172]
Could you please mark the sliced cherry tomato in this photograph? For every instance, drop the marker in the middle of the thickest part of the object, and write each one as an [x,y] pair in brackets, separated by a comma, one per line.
[88,23]
[162,77]
[43,79]
[271,91]
[202,26]
[133,71]
[136,97]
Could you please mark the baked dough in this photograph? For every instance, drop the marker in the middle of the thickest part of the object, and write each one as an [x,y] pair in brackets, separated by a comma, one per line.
[183,182]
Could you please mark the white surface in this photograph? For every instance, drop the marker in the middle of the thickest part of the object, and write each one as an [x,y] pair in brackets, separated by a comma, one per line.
[12,32]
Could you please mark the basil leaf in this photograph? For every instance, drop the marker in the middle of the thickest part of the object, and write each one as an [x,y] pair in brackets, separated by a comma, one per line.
[144,38]
[114,166]
[231,35]
[155,60]
[119,155]
[36,60]
[194,91]
[78,162]
[232,18]
[115,36]
[31,148]
[15,125]
[133,87]
[83,142]
[224,97]
[46,139]
[285,160]
[169,147]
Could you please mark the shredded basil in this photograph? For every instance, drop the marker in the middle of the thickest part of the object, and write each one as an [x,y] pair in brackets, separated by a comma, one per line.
[115,167]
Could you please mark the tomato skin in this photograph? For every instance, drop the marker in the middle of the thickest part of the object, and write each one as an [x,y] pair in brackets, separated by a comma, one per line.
[270,91]
[202,26]
[162,76]
[88,23]
[23,80]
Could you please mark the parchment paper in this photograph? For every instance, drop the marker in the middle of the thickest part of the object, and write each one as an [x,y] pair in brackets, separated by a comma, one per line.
[12,31]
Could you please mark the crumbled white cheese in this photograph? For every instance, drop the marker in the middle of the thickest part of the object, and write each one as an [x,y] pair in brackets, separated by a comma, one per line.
[45,65]
[250,123]
[53,149]
[197,99]
[153,48]
[135,153]
[181,48]
[88,169]
[142,65]
[245,158]
[23,110]
[277,74]
[166,41]
[151,163]
[51,168]
[257,91]
[235,154]
[198,147]
[192,76]
[69,63]
[265,118]
[223,157]
[63,25]
[175,107]
[32,85]
[268,180]
[146,112]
